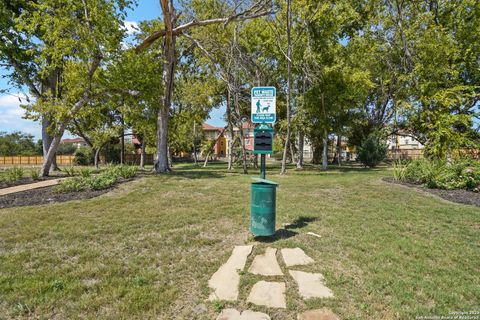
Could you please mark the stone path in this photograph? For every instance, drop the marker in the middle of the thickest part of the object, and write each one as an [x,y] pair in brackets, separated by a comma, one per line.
[232,314]
[266,264]
[311,285]
[295,257]
[269,294]
[226,280]
[30,186]
[225,283]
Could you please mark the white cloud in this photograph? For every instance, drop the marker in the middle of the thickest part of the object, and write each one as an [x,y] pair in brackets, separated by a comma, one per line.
[11,116]
[131,27]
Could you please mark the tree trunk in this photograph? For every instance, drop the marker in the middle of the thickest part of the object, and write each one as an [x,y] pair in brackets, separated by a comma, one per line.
[339,150]
[52,150]
[231,141]
[143,155]
[47,140]
[194,144]
[292,154]
[163,112]
[96,158]
[289,86]
[162,145]
[169,157]
[206,159]
[301,143]
[255,161]
[122,144]
[325,150]
[242,136]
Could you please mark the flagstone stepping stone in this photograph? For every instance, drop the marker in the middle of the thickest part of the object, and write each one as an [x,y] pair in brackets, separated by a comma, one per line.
[311,285]
[269,294]
[226,280]
[295,257]
[232,314]
[319,314]
[266,264]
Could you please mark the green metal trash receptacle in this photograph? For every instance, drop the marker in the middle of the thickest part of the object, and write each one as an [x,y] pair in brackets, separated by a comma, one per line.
[262,207]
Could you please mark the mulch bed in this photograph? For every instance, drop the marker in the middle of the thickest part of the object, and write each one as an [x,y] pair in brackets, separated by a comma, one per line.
[458,196]
[44,196]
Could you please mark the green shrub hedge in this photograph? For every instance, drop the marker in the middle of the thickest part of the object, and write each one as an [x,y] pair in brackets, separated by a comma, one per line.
[12,175]
[440,174]
[104,180]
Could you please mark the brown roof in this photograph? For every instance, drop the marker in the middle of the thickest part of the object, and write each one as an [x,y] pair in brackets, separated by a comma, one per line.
[73,140]
[207,127]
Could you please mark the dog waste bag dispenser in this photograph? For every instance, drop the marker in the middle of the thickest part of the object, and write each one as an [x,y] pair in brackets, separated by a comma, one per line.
[263,139]
[263,193]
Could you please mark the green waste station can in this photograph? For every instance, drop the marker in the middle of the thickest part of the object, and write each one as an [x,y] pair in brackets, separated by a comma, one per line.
[262,207]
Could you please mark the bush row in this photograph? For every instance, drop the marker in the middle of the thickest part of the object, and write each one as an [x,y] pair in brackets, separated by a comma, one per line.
[104,180]
[15,174]
[440,174]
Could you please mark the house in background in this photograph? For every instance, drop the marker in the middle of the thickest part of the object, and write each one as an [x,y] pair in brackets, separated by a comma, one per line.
[76,142]
[402,141]
[213,133]
[221,147]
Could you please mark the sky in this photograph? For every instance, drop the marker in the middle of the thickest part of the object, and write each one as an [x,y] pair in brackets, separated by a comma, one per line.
[11,114]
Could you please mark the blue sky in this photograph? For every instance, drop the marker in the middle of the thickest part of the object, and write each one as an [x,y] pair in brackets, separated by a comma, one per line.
[11,114]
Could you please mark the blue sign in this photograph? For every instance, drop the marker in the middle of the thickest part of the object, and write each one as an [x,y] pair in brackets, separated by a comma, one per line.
[264,107]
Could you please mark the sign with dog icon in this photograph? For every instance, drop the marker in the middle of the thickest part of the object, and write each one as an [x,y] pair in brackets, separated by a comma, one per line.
[264,104]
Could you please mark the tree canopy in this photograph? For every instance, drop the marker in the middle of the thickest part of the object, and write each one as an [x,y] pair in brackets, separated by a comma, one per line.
[341,68]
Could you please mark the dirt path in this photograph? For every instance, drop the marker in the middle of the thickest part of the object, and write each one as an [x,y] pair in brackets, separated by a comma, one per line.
[30,186]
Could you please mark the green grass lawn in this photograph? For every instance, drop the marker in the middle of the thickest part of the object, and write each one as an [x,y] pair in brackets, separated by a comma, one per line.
[147,249]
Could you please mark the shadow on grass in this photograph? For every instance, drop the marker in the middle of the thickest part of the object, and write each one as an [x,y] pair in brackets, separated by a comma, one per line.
[301,222]
[280,234]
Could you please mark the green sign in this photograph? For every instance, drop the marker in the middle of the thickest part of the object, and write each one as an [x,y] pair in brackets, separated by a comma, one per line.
[263,139]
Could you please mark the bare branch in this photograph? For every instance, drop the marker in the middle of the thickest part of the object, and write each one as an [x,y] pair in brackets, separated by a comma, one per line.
[238,17]
[150,39]
[209,55]
[255,11]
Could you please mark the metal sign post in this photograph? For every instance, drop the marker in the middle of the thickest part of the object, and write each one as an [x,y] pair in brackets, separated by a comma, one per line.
[263,111]
[263,194]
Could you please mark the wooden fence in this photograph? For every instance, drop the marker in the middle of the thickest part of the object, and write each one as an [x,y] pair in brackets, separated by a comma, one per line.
[34,160]
[134,159]
[404,154]
[409,154]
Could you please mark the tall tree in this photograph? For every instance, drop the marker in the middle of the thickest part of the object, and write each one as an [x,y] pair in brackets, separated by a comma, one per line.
[60,46]
[172,29]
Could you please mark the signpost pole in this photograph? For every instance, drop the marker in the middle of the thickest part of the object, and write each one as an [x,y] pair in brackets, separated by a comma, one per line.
[262,166]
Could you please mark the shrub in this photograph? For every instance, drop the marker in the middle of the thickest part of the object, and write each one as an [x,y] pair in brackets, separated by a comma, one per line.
[127,172]
[372,151]
[100,182]
[85,172]
[14,174]
[399,170]
[34,174]
[69,171]
[83,156]
[74,184]
[442,175]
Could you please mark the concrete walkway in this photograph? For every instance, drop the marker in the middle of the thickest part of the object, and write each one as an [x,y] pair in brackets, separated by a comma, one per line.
[30,186]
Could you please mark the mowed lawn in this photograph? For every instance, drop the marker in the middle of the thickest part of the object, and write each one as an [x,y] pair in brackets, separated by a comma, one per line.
[147,249]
